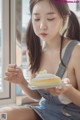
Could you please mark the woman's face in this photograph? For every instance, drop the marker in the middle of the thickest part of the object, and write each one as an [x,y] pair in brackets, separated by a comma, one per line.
[46,20]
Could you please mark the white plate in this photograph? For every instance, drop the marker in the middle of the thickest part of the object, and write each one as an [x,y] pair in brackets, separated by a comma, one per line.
[42,87]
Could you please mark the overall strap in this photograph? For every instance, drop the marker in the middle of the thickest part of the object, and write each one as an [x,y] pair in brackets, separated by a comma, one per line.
[66,58]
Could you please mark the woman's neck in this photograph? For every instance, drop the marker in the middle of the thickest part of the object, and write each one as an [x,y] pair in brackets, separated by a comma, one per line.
[53,44]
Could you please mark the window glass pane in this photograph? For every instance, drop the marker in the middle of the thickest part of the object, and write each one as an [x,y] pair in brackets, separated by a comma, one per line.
[22,19]
[25,20]
[7,90]
[1,46]
[78,6]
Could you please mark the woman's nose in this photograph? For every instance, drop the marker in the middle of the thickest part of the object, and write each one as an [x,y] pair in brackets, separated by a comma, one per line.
[43,26]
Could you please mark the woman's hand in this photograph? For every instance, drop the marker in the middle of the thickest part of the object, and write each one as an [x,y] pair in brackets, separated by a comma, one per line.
[60,89]
[14,74]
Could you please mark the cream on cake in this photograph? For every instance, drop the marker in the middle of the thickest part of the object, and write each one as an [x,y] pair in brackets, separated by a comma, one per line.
[45,79]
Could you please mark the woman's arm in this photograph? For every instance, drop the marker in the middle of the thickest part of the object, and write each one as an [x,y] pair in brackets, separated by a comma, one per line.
[71,89]
[31,93]
[14,74]
[72,93]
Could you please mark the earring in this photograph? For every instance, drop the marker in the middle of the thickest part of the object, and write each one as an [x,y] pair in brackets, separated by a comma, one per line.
[64,28]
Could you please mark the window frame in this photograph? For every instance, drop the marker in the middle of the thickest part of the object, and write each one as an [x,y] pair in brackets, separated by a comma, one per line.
[9,48]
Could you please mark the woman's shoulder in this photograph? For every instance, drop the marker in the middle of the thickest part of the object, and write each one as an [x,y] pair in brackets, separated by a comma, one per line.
[74,43]
[76,52]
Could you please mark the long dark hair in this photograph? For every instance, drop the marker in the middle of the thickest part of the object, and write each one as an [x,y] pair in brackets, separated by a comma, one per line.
[33,42]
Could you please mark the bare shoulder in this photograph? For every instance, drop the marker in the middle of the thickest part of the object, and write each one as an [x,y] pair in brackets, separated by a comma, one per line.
[76,51]
[75,57]
[76,63]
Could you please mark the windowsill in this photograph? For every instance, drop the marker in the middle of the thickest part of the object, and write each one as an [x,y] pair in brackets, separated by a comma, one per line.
[21,100]
[5,105]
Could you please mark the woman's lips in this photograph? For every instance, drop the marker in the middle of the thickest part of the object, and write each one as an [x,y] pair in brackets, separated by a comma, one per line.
[43,34]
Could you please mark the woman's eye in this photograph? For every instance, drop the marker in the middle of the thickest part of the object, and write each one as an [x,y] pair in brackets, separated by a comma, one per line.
[50,19]
[36,19]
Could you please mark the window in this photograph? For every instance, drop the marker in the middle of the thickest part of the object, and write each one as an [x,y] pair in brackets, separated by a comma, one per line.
[13,22]
[22,19]
[78,6]
[78,9]
[75,7]
[0,49]
[7,48]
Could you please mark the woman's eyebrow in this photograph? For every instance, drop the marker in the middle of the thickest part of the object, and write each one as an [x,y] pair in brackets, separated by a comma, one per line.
[36,14]
[49,13]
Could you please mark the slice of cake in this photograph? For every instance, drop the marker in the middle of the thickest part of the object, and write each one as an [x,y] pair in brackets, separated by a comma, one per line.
[45,79]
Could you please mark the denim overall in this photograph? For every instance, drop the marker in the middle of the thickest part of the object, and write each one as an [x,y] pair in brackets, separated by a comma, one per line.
[50,107]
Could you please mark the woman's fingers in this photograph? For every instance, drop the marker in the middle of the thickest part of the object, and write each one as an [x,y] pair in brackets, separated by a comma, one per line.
[11,69]
[12,65]
[10,73]
[14,74]
[61,88]
[66,81]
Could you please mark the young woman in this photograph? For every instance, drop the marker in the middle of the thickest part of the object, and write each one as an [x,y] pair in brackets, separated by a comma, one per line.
[54,24]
